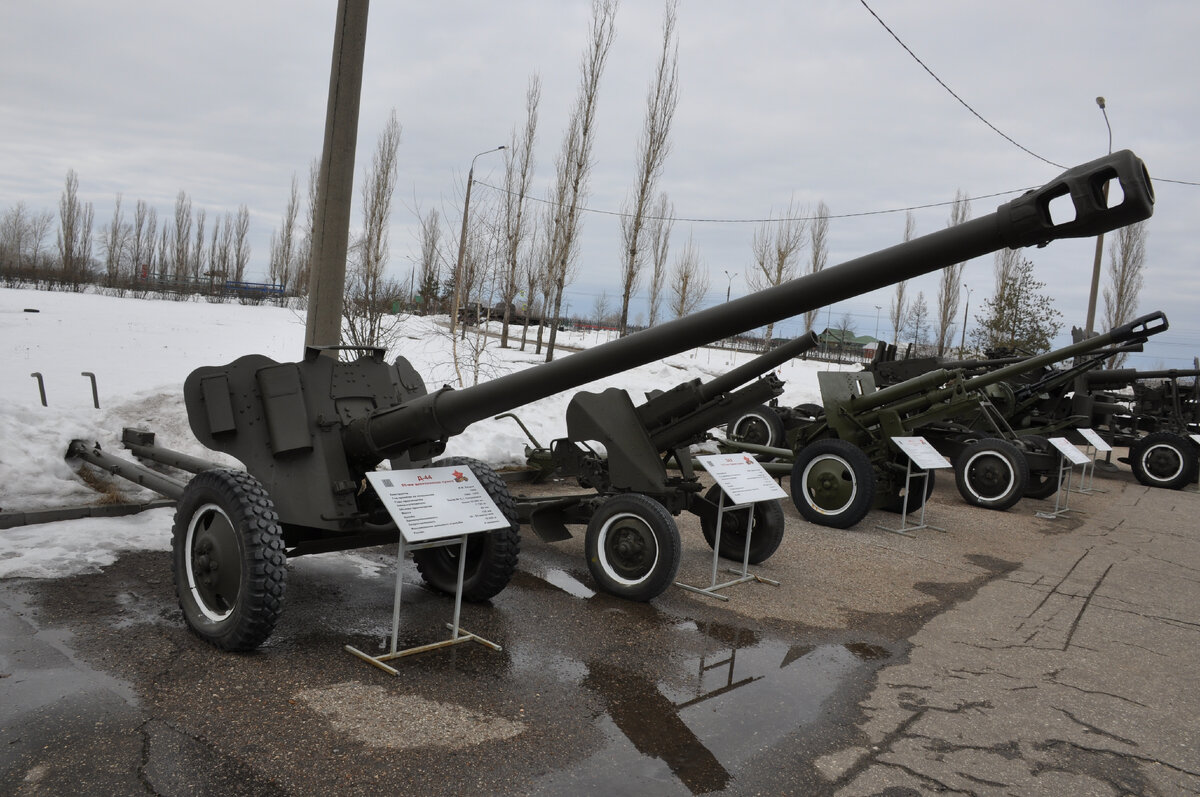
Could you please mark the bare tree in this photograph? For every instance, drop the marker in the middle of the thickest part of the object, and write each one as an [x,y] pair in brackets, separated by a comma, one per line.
[776,248]
[899,308]
[283,245]
[531,273]
[658,234]
[601,310]
[689,281]
[1126,258]
[430,275]
[164,252]
[518,171]
[181,236]
[241,243]
[917,328]
[14,229]
[214,254]
[114,239]
[950,284]
[574,162]
[652,150]
[196,259]
[369,295]
[305,253]
[145,223]
[818,235]
[74,233]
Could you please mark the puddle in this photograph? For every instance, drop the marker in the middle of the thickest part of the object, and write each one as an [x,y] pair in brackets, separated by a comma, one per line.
[691,730]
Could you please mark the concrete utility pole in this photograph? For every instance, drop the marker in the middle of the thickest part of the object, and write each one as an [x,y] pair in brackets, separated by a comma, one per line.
[335,183]
[462,242]
[1091,311]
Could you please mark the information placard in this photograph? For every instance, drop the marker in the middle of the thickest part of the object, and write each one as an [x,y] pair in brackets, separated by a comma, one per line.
[1095,440]
[435,503]
[1195,438]
[922,453]
[1073,454]
[741,477]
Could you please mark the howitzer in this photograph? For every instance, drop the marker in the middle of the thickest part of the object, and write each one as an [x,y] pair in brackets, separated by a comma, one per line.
[632,542]
[308,431]
[843,461]
[1152,413]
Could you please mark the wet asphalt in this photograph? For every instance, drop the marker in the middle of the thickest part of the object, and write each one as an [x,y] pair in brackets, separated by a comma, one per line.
[1008,654]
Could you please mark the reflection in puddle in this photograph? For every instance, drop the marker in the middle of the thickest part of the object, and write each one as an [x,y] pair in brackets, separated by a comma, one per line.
[692,729]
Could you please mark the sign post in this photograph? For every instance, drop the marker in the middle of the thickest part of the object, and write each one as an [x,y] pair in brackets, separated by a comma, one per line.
[743,483]
[920,453]
[433,507]
[1068,457]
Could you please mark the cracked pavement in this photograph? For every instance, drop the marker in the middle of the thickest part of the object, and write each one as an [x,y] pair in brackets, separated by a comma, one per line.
[1010,655]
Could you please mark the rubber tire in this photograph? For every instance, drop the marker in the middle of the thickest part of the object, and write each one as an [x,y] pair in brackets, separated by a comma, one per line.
[491,555]
[1163,459]
[758,425]
[991,473]
[644,524]
[228,511]
[1042,484]
[896,502]
[830,463]
[764,539]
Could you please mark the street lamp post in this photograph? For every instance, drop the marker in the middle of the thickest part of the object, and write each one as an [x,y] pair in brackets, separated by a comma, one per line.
[462,242]
[962,342]
[878,307]
[729,286]
[1091,311]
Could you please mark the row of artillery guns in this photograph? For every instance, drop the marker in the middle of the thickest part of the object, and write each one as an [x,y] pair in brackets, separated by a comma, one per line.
[992,419]
[308,432]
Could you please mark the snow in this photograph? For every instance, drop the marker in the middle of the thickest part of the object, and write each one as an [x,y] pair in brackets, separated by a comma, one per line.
[142,349]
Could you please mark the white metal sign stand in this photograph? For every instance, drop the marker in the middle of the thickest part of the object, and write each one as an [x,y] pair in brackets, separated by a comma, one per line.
[1069,457]
[1195,438]
[1087,476]
[745,482]
[433,507]
[919,452]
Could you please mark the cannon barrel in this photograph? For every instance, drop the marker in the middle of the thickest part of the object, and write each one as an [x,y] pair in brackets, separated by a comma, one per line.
[1024,221]
[924,390]
[759,365]
[1122,377]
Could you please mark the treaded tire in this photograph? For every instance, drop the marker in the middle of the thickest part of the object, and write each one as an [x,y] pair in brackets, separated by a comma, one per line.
[1042,483]
[228,558]
[1163,459]
[760,426]
[491,556]
[991,473]
[833,483]
[918,499]
[632,547]
[765,538]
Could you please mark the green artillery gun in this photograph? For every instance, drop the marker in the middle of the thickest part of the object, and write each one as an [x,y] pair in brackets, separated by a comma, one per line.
[843,461]
[307,432]
[632,542]
[1151,412]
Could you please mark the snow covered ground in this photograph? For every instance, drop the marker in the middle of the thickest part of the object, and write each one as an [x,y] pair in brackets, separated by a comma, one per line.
[142,349]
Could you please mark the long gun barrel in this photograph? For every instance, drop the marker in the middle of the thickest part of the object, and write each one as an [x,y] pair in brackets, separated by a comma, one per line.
[1025,221]
[1122,377]
[923,390]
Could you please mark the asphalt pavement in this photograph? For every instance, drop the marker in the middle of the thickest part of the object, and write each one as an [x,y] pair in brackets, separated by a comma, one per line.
[1007,654]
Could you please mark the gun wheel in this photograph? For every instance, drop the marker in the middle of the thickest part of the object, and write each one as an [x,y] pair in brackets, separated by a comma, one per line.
[760,426]
[1163,459]
[228,558]
[895,503]
[833,483]
[991,473]
[491,556]
[765,537]
[632,546]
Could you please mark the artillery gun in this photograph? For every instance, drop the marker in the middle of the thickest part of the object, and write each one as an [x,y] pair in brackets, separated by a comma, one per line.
[632,543]
[307,432]
[843,461]
[1152,413]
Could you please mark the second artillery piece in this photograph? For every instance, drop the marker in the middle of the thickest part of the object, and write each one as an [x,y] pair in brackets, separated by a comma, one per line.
[843,461]
[307,432]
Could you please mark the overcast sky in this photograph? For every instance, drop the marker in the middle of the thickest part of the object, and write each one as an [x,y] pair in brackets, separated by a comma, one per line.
[810,100]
